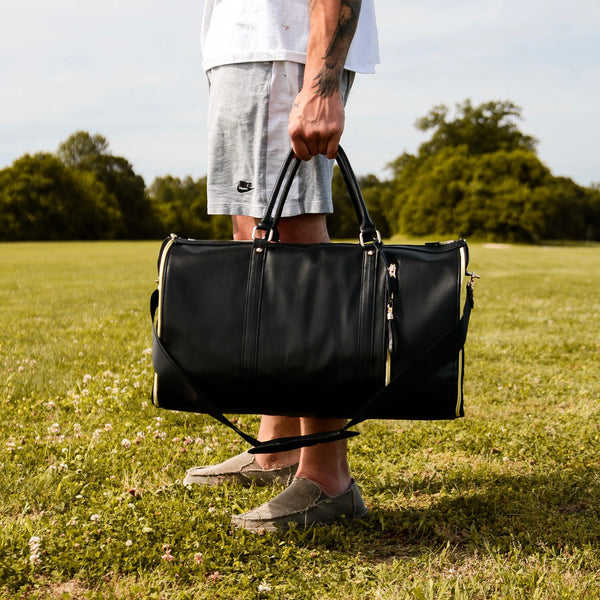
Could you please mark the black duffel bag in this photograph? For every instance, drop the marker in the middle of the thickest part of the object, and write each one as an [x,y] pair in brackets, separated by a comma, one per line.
[358,331]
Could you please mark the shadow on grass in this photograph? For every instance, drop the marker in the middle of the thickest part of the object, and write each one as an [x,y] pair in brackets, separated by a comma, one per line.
[536,512]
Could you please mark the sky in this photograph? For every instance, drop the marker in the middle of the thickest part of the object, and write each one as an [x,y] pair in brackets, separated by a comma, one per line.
[130,70]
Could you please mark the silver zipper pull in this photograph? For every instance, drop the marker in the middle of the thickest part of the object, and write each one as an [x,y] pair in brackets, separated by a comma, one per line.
[390,311]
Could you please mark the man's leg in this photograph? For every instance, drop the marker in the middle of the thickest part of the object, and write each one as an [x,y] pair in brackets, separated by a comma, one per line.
[324,464]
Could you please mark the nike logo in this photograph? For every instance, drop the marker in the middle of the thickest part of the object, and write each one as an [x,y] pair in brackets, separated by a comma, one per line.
[244,186]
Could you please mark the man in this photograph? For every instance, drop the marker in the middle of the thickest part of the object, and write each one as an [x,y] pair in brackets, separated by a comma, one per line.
[279,72]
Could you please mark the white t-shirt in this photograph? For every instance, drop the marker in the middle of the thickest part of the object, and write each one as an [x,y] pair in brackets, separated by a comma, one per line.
[235,31]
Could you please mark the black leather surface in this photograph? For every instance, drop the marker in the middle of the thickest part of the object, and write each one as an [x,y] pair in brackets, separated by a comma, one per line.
[315,320]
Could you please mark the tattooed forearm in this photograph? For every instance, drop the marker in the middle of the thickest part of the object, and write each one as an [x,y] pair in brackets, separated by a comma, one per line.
[327,82]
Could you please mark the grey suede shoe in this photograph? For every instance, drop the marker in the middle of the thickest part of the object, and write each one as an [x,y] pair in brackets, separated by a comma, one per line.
[305,504]
[243,469]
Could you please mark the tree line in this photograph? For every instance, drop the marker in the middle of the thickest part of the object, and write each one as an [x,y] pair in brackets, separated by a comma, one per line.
[477,176]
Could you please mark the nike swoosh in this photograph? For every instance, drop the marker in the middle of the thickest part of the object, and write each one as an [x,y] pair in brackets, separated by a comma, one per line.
[244,186]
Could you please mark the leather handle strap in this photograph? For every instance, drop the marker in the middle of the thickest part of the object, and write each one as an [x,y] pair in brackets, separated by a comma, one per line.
[285,178]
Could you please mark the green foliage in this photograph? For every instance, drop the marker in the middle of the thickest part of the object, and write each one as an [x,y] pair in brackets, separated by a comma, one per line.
[479,177]
[83,152]
[82,192]
[181,207]
[343,223]
[501,504]
[486,128]
[42,199]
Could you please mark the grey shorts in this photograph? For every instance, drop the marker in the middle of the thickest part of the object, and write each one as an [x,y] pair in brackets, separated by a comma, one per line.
[248,109]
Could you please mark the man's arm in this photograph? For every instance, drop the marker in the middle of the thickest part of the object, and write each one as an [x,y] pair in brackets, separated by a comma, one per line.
[317,116]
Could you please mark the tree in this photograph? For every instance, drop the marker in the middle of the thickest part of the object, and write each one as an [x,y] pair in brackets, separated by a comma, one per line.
[343,223]
[180,206]
[42,199]
[84,152]
[479,176]
[488,127]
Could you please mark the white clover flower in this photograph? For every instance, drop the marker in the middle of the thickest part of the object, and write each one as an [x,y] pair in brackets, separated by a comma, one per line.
[167,555]
[35,559]
[86,379]
[54,428]
[107,427]
[125,443]
[129,543]
[95,518]
[34,550]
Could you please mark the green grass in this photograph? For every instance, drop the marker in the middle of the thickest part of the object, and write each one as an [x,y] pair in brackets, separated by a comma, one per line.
[504,503]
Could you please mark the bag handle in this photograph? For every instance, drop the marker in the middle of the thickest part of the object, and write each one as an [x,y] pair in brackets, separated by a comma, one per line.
[283,184]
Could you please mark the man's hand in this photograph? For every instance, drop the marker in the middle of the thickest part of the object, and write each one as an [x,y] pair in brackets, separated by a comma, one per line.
[316,124]
[317,117]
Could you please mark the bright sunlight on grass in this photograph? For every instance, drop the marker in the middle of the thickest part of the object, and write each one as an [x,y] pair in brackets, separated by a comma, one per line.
[504,503]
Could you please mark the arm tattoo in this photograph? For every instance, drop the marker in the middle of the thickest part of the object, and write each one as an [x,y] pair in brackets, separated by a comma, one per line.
[327,82]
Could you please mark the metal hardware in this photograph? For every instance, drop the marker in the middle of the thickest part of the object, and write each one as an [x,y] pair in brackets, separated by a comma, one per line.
[362,240]
[471,284]
[259,250]
[269,237]
[370,252]
[392,269]
[390,311]
[473,277]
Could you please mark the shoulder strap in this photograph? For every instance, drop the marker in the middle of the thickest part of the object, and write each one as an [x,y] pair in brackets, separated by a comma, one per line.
[166,367]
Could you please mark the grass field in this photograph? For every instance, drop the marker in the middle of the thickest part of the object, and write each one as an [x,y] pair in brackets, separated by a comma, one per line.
[504,503]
